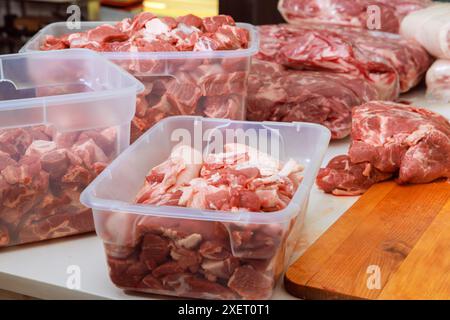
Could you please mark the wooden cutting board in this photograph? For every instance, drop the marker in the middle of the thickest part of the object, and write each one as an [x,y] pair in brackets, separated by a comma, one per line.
[393,243]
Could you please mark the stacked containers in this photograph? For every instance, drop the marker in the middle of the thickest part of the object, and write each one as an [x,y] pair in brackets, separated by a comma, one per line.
[246,250]
[205,83]
[63,117]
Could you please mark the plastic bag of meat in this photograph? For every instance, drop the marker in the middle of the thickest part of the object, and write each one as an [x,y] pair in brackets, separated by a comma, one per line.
[431,28]
[391,63]
[438,80]
[215,220]
[390,140]
[382,15]
[189,65]
[278,94]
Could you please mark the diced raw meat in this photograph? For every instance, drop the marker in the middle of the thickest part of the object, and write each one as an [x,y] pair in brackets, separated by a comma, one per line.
[191,20]
[251,284]
[390,139]
[385,59]
[212,24]
[155,250]
[42,173]
[431,28]
[355,13]
[197,86]
[343,178]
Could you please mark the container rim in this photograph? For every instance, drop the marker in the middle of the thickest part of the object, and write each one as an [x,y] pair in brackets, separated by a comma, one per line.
[35,102]
[137,86]
[88,198]
[250,51]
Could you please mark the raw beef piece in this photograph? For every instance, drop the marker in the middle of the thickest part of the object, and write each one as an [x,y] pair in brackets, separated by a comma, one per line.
[387,60]
[355,13]
[204,259]
[42,173]
[390,139]
[195,86]
[438,80]
[279,94]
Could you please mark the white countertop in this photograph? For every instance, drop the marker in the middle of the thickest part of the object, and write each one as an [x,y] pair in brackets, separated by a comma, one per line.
[42,270]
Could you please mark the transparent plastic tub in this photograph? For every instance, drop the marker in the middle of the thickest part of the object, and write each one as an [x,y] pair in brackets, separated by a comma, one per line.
[206,83]
[63,117]
[246,250]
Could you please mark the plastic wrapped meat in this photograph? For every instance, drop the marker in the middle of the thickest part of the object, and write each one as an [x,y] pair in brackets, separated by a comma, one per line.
[354,13]
[438,80]
[187,85]
[391,63]
[204,259]
[42,173]
[278,94]
[431,28]
[390,140]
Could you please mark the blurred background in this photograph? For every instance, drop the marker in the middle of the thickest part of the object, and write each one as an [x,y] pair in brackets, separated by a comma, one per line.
[20,19]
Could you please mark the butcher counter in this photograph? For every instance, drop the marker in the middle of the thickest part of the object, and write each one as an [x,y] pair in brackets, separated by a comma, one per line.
[75,267]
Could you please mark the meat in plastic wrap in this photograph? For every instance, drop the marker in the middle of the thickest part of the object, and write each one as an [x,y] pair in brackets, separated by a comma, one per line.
[354,13]
[431,28]
[438,81]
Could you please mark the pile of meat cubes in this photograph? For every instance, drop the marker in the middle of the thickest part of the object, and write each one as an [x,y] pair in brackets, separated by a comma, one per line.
[42,173]
[205,259]
[211,87]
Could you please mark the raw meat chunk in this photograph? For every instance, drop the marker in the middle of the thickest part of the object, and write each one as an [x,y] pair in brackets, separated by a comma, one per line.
[353,13]
[204,259]
[390,139]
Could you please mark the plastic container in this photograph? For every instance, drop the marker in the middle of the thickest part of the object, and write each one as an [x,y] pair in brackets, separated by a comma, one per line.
[140,238]
[206,83]
[63,117]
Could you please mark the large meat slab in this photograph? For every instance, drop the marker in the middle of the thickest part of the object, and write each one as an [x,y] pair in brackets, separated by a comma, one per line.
[392,63]
[279,94]
[42,173]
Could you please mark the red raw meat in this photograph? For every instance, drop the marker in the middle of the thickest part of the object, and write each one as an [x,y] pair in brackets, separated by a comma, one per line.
[385,59]
[206,87]
[277,94]
[390,139]
[204,259]
[251,284]
[42,173]
[349,12]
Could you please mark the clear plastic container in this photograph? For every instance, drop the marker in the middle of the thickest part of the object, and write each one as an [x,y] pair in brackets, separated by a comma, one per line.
[243,250]
[206,83]
[63,117]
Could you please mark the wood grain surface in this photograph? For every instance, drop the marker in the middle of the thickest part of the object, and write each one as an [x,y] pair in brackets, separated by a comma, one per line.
[393,243]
